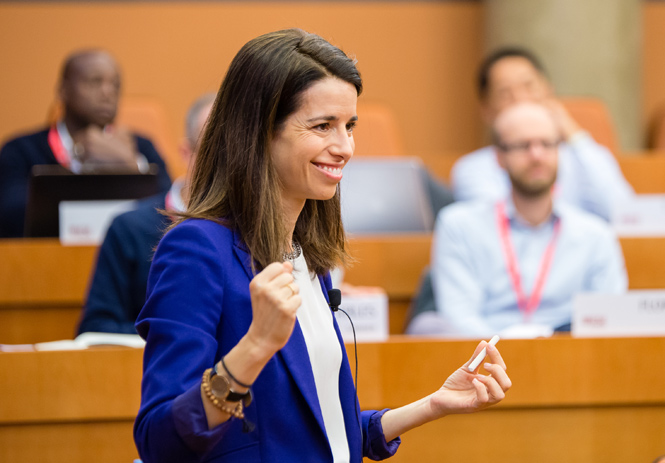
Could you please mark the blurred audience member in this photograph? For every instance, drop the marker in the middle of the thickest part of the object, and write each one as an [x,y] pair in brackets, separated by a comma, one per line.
[118,287]
[513,266]
[589,176]
[89,89]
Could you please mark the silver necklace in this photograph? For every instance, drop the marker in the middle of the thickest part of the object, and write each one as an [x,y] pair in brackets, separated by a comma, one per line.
[293,255]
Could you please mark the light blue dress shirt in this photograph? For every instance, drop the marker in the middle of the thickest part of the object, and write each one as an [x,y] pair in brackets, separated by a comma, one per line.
[589,176]
[472,287]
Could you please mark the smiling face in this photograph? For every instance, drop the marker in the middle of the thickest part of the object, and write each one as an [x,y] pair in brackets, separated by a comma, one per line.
[315,142]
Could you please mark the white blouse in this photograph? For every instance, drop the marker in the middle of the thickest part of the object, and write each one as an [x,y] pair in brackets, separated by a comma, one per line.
[325,355]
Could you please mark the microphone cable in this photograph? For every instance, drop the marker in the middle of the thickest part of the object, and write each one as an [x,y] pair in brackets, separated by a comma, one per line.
[335,298]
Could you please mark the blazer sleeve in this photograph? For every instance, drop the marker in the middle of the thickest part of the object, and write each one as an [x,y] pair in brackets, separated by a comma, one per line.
[179,323]
[375,446]
[14,175]
[109,297]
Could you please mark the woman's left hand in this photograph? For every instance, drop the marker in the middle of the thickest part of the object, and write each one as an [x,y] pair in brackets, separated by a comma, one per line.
[467,392]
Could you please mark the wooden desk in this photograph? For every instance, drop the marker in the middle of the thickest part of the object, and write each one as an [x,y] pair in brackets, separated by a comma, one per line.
[396,264]
[573,400]
[42,289]
[43,284]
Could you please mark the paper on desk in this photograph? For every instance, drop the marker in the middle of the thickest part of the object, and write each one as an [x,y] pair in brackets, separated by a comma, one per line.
[85,340]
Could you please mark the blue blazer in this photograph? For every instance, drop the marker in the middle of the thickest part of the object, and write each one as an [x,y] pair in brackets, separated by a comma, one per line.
[197,309]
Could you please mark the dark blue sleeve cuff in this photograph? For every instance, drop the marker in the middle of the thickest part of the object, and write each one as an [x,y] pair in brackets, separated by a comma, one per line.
[376,447]
[192,425]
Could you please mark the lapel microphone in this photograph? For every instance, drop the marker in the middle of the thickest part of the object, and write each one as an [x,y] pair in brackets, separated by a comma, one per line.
[334,299]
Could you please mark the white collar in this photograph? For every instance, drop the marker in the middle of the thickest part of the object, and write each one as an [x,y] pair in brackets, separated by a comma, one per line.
[177,202]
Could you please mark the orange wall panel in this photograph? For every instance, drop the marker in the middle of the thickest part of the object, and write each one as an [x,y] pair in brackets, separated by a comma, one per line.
[653,68]
[419,58]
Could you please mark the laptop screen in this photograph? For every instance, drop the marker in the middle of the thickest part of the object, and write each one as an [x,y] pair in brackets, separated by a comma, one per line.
[385,195]
[51,184]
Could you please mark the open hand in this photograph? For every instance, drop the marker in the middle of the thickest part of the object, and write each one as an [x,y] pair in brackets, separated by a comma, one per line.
[467,392]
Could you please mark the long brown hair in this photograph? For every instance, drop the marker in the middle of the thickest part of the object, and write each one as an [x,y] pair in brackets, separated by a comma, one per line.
[234,181]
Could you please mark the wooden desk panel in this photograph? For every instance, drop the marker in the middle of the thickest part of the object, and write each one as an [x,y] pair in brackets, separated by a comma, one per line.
[104,441]
[645,262]
[573,400]
[65,386]
[42,272]
[42,289]
[395,263]
[554,372]
[43,284]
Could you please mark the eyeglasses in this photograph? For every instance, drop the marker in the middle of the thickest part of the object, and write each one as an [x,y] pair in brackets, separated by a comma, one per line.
[524,146]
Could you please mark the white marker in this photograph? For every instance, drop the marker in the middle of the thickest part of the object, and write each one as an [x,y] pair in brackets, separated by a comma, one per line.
[483,353]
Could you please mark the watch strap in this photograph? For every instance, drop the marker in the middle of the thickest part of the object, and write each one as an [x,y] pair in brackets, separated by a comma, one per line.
[233,396]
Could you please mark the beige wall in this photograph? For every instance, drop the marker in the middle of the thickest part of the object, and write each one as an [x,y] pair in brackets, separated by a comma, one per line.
[595,52]
[417,57]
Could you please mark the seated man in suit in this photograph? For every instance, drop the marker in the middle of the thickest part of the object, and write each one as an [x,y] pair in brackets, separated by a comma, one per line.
[118,287]
[84,138]
[589,176]
[513,265]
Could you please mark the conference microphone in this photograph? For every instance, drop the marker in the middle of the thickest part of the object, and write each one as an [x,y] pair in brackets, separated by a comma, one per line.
[334,299]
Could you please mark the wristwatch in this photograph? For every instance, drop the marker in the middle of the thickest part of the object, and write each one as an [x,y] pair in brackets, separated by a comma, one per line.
[220,386]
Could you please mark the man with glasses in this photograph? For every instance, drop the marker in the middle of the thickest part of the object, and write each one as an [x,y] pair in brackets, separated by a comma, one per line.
[513,265]
[589,176]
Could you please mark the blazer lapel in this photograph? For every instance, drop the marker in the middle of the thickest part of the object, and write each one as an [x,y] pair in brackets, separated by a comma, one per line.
[294,353]
[296,359]
[242,253]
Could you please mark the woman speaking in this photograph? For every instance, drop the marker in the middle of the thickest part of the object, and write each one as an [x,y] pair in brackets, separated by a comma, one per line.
[244,361]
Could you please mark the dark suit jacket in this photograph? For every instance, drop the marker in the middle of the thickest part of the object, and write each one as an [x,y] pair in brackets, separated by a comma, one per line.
[118,286]
[18,157]
[198,307]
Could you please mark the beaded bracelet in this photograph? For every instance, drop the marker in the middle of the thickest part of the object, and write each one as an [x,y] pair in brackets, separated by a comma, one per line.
[223,406]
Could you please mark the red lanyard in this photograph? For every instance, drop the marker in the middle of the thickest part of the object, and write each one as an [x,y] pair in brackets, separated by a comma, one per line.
[168,202]
[527,307]
[59,151]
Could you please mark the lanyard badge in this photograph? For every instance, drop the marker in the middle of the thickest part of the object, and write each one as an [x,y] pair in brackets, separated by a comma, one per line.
[526,305]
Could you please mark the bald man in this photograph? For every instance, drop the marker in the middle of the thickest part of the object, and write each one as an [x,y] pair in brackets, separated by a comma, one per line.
[513,266]
[84,138]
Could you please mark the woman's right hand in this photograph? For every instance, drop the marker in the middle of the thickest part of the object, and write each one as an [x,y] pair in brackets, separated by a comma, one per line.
[275,300]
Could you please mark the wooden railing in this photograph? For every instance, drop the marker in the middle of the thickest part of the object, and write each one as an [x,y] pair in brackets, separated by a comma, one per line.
[43,284]
[572,400]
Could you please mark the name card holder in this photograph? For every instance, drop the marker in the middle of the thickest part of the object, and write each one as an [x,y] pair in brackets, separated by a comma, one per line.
[636,313]
[84,223]
[640,216]
[369,312]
